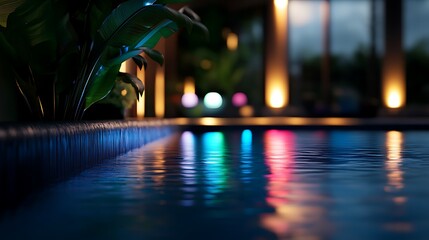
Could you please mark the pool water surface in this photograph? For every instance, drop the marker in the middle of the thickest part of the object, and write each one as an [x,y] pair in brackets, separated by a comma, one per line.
[243,184]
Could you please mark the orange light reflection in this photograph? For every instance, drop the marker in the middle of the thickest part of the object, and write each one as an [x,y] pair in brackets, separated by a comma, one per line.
[394,141]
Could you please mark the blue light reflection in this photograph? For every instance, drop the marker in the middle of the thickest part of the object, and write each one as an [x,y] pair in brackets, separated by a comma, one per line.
[213,155]
[246,153]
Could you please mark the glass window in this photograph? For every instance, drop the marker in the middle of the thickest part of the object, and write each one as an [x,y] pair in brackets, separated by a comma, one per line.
[305,50]
[416,43]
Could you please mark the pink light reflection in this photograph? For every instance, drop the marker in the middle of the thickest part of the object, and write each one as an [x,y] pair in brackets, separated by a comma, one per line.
[296,216]
[279,147]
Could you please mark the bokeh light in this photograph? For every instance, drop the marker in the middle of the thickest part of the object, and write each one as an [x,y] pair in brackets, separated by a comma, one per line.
[189,100]
[232,41]
[213,100]
[246,111]
[394,99]
[239,99]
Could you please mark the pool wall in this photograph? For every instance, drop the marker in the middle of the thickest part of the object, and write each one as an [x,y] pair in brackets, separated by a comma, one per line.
[33,155]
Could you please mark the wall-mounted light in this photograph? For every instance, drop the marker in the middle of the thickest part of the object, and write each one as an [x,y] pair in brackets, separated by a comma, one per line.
[281,4]
[393,89]
[276,64]
[276,98]
[394,99]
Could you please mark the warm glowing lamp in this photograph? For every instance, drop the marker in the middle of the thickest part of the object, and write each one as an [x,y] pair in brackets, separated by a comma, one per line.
[393,100]
[213,100]
[276,67]
[281,4]
[232,41]
[276,99]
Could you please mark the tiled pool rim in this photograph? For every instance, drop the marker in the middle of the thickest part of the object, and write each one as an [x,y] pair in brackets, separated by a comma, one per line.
[33,155]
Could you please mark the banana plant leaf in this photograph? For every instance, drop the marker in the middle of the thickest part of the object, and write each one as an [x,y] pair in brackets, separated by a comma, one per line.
[6,7]
[65,55]
[138,27]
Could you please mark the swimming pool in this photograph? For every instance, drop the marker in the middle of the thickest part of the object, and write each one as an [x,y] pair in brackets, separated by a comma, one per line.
[243,184]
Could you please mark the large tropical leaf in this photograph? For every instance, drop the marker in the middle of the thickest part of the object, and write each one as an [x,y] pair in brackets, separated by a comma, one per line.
[127,27]
[154,55]
[99,89]
[33,22]
[134,24]
[6,7]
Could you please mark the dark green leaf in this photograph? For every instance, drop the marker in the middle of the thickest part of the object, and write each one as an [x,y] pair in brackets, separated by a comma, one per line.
[154,55]
[134,81]
[150,39]
[6,7]
[190,13]
[99,89]
[140,61]
[128,26]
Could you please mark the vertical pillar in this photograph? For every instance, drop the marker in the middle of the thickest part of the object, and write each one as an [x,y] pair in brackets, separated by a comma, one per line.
[276,69]
[370,86]
[171,75]
[326,61]
[150,73]
[160,84]
[393,83]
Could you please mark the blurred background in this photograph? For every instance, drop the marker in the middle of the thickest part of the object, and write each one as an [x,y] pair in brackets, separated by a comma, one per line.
[362,58]
[310,58]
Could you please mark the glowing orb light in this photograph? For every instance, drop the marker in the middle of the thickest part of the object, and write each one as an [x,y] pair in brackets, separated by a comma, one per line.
[189,100]
[213,100]
[239,99]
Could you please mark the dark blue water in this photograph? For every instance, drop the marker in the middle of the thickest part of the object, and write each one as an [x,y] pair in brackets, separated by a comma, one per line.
[274,184]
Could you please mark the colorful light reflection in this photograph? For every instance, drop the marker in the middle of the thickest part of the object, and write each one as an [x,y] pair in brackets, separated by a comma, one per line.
[294,214]
[278,147]
[213,156]
[187,145]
